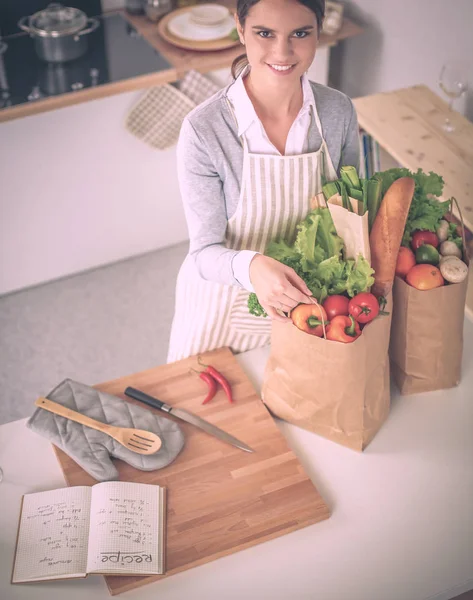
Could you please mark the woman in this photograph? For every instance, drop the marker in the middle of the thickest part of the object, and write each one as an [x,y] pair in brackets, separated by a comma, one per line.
[249,161]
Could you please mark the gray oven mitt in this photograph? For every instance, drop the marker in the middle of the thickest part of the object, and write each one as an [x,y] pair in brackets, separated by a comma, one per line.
[92,449]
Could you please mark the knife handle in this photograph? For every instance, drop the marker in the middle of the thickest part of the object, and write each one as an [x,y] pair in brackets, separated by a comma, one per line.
[149,400]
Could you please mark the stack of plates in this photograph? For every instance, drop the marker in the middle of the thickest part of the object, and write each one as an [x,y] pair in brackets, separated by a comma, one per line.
[202,27]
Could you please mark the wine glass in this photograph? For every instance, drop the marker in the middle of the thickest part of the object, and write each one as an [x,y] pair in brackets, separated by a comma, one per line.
[452,81]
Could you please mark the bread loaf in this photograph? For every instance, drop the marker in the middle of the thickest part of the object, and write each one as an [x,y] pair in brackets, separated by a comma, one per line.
[387,231]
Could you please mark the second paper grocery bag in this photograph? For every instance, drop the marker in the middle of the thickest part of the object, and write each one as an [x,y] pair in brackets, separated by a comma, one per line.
[339,391]
[427,337]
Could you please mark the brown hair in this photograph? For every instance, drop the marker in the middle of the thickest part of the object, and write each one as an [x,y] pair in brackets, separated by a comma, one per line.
[243,8]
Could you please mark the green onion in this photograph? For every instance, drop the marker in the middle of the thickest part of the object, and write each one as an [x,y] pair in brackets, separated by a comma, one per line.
[350,177]
[365,196]
[374,197]
[330,189]
[345,201]
[357,194]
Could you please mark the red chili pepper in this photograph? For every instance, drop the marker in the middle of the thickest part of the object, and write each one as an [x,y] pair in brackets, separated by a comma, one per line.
[212,385]
[218,377]
[222,381]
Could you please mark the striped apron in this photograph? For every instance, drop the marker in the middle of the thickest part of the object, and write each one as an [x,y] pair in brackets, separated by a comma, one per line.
[275,195]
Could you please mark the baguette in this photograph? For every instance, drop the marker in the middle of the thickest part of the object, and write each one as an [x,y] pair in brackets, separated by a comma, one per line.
[387,231]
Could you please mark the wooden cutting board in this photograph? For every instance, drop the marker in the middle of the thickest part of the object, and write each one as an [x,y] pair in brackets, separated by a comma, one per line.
[220,499]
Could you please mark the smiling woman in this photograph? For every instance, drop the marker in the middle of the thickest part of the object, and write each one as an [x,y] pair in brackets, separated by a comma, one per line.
[314,16]
[250,159]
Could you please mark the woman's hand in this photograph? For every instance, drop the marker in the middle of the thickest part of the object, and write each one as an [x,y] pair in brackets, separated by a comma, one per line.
[277,286]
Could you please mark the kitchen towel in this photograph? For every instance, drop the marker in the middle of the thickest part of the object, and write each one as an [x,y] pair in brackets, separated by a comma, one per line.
[91,449]
[157,117]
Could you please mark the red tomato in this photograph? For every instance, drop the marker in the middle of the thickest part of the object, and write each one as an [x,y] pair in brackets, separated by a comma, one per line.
[424,237]
[336,305]
[405,261]
[364,307]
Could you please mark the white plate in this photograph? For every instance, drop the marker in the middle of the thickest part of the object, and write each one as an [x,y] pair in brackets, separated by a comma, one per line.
[183,27]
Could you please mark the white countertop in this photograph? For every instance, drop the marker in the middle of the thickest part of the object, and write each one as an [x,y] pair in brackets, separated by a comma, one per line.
[401,525]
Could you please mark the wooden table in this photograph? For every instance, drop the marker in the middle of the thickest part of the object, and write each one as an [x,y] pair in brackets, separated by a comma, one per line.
[407,123]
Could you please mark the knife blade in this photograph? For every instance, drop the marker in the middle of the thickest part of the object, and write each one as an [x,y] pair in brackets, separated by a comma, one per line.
[188,417]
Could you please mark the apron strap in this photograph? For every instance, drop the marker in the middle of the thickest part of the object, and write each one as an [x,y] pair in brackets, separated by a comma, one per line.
[329,172]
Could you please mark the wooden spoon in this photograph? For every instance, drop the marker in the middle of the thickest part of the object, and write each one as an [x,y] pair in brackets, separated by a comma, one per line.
[136,440]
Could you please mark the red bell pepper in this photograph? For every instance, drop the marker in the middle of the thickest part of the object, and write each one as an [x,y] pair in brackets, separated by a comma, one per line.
[343,329]
[309,317]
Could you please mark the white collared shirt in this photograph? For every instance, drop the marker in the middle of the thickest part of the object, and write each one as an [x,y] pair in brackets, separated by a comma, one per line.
[251,127]
[258,142]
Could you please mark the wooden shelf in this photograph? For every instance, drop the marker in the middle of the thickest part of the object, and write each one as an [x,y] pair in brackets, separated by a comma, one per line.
[184,60]
[181,62]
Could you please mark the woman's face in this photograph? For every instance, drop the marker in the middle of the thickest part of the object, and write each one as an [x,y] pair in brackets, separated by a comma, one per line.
[280,37]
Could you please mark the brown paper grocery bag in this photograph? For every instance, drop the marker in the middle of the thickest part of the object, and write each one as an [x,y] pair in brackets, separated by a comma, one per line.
[340,391]
[427,336]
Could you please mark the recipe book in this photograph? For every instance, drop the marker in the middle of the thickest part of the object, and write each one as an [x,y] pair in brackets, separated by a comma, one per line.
[111,528]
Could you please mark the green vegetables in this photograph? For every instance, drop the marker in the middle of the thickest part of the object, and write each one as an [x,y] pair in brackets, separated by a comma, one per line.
[255,307]
[317,257]
[426,210]
[454,236]
[366,192]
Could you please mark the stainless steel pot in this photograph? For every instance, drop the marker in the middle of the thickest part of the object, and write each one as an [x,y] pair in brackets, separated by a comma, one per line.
[155,9]
[59,32]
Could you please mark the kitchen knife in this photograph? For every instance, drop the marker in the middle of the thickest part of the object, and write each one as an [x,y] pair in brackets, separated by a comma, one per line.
[188,417]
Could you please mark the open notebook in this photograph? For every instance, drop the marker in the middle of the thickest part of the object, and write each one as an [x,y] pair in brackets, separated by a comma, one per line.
[115,527]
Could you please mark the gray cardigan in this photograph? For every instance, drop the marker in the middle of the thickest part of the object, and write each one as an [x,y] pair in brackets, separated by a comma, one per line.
[210,163]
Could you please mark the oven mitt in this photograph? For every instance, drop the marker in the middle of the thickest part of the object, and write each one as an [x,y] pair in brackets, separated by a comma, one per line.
[92,449]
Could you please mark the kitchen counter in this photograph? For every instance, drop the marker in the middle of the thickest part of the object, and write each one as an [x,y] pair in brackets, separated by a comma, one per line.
[401,524]
[175,62]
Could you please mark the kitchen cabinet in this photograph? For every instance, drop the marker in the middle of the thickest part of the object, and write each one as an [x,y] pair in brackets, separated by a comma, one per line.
[78,191]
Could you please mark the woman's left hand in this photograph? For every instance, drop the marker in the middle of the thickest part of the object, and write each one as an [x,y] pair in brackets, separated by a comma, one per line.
[277,286]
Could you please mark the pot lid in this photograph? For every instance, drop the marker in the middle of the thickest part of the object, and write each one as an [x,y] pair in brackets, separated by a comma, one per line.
[57,20]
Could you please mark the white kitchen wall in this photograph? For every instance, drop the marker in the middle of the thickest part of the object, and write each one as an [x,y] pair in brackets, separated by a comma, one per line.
[405,42]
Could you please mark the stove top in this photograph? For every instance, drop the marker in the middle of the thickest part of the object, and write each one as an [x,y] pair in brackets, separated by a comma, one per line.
[116,51]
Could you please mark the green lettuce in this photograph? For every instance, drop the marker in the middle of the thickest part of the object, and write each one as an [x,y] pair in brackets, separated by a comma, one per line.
[317,257]
[317,239]
[454,236]
[359,276]
[426,210]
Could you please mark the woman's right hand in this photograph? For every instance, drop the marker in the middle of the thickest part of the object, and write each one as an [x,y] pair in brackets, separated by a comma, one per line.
[277,286]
